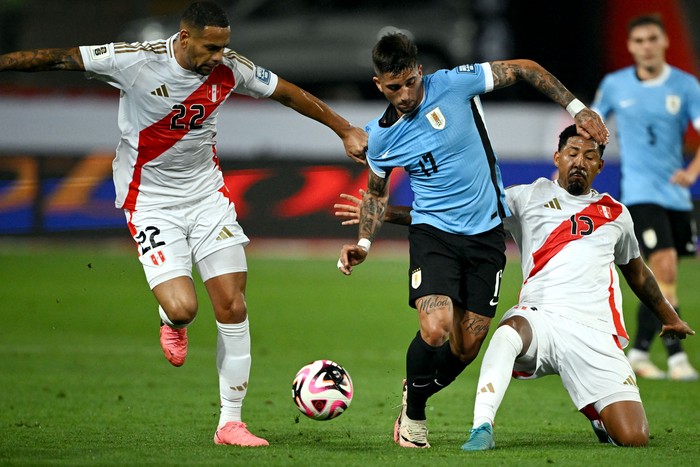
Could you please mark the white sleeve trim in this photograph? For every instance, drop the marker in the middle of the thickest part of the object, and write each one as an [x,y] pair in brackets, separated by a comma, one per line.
[696,124]
[488,77]
[377,171]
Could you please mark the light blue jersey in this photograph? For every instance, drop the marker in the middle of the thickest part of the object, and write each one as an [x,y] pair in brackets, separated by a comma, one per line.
[652,117]
[444,147]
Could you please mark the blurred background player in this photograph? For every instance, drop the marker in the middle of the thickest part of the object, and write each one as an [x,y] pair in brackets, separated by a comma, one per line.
[653,103]
[434,129]
[169,183]
[569,319]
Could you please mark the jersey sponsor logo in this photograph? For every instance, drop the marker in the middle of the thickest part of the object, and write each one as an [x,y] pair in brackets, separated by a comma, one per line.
[100,52]
[263,75]
[161,91]
[436,119]
[416,278]
[471,69]
[673,104]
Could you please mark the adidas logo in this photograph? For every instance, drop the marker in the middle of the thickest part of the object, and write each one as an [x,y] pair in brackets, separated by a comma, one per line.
[554,204]
[241,387]
[162,91]
[630,381]
[487,388]
[224,234]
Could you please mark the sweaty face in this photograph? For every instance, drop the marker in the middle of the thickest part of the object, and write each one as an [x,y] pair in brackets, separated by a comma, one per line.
[204,48]
[404,91]
[579,162]
[648,44]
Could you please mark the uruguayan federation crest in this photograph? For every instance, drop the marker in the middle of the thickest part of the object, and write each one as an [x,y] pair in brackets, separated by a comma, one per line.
[436,118]
[673,104]
[416,278]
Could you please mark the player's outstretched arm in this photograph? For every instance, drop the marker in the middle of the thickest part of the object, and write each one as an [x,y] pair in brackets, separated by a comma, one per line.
[508,72]
[400,215]
[354,139]
[43,60]
[643,283]
[372,209]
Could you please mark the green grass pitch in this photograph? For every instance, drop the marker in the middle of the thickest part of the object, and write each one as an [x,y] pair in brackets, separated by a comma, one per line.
[83,380]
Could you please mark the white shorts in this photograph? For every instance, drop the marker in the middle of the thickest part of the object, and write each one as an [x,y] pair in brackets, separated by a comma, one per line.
[592,367]
[170,239]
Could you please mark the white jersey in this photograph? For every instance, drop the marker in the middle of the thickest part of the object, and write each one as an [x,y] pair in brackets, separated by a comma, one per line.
[167,118]
[569,246]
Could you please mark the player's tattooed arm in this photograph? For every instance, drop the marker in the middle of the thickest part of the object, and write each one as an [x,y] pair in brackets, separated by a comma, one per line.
[398,215]
[43,60]
[508,72]
[374,203]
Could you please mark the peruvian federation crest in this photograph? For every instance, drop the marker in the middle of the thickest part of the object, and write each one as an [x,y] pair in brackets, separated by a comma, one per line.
[214,92]
[605,211]
[436,119]
[673,104]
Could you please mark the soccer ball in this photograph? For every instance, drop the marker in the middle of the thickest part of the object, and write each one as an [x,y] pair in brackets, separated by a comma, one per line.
[322,390]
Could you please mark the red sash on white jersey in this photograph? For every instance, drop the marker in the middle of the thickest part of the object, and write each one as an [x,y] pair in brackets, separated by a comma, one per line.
[578,226]
[157,138]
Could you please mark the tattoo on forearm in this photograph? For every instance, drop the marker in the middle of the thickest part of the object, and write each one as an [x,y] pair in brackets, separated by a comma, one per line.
[508,73]
[43,60]
[373,207]
[431,303]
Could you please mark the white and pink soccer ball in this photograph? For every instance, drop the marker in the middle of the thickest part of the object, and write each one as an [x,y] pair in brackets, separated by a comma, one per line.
[322,390]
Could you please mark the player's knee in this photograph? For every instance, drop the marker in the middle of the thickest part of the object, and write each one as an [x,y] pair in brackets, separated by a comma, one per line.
[434,334]
[234,310]
[632,438]
[180,312]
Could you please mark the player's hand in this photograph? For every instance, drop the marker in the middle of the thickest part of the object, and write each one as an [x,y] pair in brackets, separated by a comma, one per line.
[679,330]
[351,255]
[683,178]
[355,142]
[590,125]
[350,211]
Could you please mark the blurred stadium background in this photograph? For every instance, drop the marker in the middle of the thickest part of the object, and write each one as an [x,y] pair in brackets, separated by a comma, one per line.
[59,130]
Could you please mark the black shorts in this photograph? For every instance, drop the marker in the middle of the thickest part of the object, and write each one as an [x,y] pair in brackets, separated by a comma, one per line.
[656,228]
[466,268]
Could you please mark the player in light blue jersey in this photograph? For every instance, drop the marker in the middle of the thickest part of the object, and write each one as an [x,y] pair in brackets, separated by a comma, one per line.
[653,103]
[434,129]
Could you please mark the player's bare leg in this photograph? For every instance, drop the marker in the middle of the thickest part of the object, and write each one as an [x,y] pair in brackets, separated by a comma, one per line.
[178,308]
[626,423]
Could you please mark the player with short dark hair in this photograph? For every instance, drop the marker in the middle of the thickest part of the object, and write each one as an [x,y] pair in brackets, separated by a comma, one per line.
[434,129]
[169,183]
[569,318]
[653,103]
